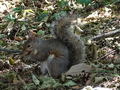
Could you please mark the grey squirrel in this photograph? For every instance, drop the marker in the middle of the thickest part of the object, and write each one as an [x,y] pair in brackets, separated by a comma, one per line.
[56,55]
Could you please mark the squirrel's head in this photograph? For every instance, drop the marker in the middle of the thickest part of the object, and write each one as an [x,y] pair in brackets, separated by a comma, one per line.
[30,46]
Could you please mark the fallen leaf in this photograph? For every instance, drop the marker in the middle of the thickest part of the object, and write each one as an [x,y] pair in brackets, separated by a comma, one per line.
[35,80]
[19,38]
[70,83]
[77,69]
[98,79]
[76,87]
[88,82]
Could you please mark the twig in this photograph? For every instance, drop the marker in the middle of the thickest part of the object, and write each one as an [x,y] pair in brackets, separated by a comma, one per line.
[16,33]
[10,51]
[106,25]
[106,54]
[110,34]
[22,81]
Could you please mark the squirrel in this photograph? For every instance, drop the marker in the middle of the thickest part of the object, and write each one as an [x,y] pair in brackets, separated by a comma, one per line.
[56,55]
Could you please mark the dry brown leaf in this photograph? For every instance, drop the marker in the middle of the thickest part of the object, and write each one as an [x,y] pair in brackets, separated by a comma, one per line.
[77,69]
[88,82]
[19,38]
[76,87]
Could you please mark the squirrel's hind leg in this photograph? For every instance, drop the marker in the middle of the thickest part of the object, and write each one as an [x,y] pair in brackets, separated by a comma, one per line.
[57,66]
[44,67]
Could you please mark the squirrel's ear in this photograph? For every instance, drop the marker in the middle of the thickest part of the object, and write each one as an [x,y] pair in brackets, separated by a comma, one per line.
[32,35]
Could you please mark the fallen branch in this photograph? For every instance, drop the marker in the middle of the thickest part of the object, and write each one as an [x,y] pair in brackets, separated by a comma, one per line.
[110,34]
[10,51]
[107,54]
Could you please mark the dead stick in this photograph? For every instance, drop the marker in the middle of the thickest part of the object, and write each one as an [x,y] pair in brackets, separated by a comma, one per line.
[107,54]
[10,51]
[110,34]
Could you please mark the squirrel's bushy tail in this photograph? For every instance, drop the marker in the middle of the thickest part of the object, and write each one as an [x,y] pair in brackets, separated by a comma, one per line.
[76,45]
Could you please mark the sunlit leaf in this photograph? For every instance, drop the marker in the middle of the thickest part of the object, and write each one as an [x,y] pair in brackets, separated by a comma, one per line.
[45,12]
[11,61]
[29,10]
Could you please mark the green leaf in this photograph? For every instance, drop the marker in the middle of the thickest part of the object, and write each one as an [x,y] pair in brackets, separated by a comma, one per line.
[1,42]
[45,12]
[32,26]
[2,35]
[10,17]
[42,16]
[35,80]
[48,82]
[86,2]
[40,32]
[25,87]
[19,9]
[10,76]
[30,86]
[24,23]
[101,71]
[58,14]
[70,83]
[23,27]
[62,3]
[115,75]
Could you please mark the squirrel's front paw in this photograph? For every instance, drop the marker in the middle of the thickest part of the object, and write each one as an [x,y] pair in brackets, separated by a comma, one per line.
[27,59]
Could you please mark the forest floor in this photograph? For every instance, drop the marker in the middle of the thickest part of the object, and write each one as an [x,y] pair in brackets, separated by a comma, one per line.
[99,27]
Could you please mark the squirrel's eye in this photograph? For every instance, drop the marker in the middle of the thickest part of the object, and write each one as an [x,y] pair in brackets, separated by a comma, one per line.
[29,45]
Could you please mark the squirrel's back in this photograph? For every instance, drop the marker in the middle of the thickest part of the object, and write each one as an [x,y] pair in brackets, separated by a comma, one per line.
[74,42]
